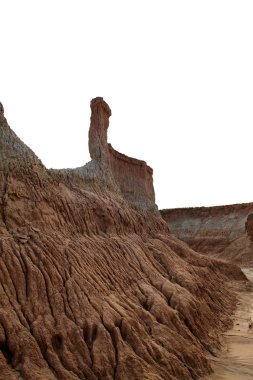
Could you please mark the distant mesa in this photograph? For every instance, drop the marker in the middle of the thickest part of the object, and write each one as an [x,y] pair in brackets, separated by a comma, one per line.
[108,169]
[225,232]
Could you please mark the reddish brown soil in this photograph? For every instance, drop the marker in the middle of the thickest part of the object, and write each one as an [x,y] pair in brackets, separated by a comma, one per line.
[91,288]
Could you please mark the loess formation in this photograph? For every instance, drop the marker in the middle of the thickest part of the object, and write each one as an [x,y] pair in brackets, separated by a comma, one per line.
[225,232]
[92,283]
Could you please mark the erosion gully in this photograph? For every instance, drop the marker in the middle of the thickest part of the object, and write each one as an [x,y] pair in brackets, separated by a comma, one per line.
[235,360]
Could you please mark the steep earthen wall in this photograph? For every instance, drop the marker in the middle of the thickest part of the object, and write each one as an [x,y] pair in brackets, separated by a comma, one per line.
[133,177]
[219,230]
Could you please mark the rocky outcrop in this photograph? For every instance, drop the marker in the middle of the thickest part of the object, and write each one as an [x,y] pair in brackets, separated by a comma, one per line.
[90,288]
[131,178]
[249,226]
[218,230]
[134,178]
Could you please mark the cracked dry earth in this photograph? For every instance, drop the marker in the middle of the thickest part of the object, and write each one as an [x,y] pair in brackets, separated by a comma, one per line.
[93,289]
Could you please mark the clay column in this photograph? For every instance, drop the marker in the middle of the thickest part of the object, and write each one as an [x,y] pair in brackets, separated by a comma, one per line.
[99,123]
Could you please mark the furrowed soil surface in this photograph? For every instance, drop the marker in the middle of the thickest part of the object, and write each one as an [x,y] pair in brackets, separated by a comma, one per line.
[93,286]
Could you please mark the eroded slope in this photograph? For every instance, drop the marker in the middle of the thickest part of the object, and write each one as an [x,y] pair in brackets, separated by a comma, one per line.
[91,288]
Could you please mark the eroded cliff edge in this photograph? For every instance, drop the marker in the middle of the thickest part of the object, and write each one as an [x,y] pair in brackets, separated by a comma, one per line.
[222,231]
[130,177]
[93,286]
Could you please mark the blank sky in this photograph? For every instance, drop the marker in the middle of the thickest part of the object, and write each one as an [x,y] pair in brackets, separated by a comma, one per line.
[178,76]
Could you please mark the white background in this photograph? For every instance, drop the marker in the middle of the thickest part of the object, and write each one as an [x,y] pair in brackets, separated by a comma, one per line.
[178,76]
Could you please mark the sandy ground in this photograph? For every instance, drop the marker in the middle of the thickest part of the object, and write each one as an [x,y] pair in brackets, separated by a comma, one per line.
[235,361]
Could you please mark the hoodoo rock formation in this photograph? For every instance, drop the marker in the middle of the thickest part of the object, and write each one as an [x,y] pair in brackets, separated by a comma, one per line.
[132,178]
[92,283]
[223,231]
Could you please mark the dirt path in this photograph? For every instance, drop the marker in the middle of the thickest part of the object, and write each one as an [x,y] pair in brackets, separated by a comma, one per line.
[235,361]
